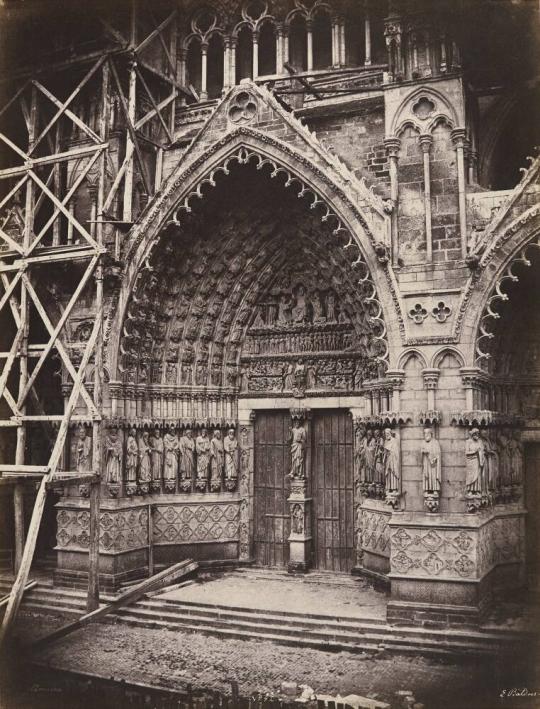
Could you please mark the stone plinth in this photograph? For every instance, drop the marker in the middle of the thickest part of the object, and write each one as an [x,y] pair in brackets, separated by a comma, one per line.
[203,527]
[445,568]
[300,539]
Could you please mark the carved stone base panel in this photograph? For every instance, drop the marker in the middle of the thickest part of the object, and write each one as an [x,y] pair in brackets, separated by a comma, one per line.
[444,568]
[375,537]
[246,440]
[458,548]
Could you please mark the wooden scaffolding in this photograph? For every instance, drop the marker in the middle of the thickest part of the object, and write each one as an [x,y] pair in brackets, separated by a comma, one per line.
[133,80]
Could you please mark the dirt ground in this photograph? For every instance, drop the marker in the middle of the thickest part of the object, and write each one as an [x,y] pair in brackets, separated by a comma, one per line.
[174,659]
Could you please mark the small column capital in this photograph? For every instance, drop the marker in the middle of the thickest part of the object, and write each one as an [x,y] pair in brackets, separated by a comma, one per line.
[426,141]
[392,145]
[459,137]
[471,376]
[431,377]
[396,377]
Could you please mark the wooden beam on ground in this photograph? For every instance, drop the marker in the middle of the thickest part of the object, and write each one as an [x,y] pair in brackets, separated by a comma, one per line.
[4,600]
[163,578]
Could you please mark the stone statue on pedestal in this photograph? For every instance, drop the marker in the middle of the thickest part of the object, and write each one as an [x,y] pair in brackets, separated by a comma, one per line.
[202,446]
[113,462]
[83,451]
[430,452]
[156,455]
[298,452]
[132,458]
[145,465]
[170,468]
[187,460]
[217,455]
[392,462]
[230,446]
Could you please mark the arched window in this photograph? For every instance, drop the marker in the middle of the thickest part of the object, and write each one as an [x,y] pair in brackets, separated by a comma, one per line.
[267,49]
[244,54]
[298,43]
[215,66]
[194,64]
[322,41]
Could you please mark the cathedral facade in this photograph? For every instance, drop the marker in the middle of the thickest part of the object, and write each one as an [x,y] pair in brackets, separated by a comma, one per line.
[320,346]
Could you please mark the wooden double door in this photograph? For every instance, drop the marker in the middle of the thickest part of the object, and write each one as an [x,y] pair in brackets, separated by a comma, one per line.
[330,485]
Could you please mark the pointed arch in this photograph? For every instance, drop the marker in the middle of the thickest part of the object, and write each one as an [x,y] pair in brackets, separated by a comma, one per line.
[326,198]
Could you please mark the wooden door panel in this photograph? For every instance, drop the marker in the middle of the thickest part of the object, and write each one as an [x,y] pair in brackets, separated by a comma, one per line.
[271,488]
[332,489]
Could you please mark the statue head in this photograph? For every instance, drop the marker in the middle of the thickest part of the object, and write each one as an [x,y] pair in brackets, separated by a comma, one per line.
[189,433]
[132,432]
[428,434]
[82,433]
[475,434]
[217,434]
[157,433]
[145,436]
[203,432]
[230,433]
[387,434]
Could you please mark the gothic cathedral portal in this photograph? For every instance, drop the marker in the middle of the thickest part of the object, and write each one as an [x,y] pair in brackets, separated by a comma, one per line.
[329,455]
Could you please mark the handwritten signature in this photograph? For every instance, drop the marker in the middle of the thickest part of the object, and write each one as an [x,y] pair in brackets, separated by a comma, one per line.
[519,692]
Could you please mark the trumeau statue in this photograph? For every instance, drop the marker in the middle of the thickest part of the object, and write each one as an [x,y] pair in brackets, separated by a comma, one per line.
[298,452]
[83,451]
[475,459]
[113,457]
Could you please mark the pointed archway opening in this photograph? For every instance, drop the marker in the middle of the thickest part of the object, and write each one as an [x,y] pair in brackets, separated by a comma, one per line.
[514,390]
[255,293]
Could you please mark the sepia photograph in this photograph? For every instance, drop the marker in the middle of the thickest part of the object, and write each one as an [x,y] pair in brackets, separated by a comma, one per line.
[269,354]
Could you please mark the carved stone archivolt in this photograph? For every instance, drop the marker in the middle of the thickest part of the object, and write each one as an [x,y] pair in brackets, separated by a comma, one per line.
[230,303]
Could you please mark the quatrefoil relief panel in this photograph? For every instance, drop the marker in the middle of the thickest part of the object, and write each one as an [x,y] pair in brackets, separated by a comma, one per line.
[441,312]
[243,108]
[423,108]
[418,314]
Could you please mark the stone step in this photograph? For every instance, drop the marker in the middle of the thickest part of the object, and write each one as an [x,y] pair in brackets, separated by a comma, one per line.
[256,623]
[360,645]
[311,630]
[349,623]
[240,634]
[263,616]
[352,635]
[283,614]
